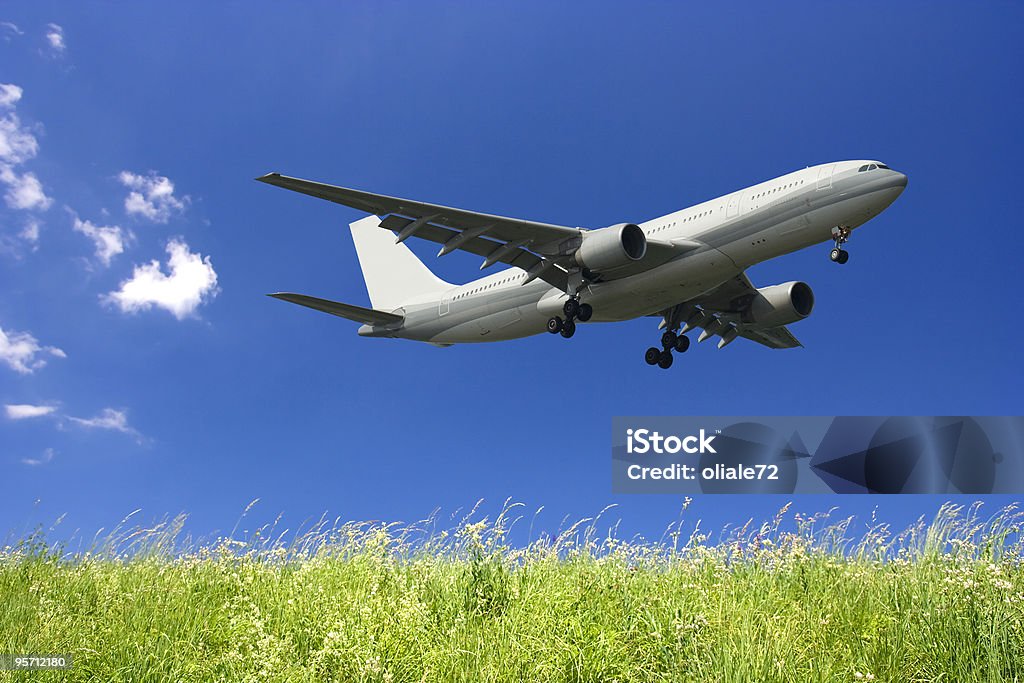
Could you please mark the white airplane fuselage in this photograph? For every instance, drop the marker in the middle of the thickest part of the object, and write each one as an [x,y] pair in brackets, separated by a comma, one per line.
[735,231]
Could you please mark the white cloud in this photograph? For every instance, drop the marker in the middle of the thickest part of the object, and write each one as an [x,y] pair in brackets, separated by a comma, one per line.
[16,244]
[22,352]
[30,233]
[46,457]
[24,191]
[23,411]
[110,240]
[9,95]
[55,38]
[151,196]
[18,144]
[191,282]
[109,418]
[8,29]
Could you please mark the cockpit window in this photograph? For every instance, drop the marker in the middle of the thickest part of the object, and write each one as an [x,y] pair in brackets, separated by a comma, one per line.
[883,166]
[862,168]
[871,167]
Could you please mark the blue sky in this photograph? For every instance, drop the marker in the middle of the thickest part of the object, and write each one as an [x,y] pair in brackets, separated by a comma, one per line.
[135,248]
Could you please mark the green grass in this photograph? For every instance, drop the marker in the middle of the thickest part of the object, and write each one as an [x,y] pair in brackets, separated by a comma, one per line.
[793,599]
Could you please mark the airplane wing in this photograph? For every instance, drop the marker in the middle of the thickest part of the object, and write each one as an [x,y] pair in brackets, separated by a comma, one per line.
[534,247]
[543,250]
[514,253]
[367,316]
[735,295]
[732,296]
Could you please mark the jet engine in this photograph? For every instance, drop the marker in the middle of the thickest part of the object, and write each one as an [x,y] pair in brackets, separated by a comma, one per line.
[612,247]
[780,305]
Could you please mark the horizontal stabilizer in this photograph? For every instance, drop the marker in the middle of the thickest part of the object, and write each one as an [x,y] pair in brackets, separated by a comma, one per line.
[367,316]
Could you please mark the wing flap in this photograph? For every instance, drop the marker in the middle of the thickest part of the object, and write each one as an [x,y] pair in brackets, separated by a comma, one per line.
[481,246]
[367,316]
[772,337]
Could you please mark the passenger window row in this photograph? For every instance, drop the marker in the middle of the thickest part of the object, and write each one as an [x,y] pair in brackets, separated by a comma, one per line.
[488,286]
[777,189]
[685,220]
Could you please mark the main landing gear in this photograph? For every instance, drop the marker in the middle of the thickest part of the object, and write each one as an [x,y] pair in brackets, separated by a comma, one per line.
[670,341]
[840,235]
[573,311]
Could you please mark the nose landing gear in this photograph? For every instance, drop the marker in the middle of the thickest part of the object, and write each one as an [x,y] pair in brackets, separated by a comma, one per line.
[840,234]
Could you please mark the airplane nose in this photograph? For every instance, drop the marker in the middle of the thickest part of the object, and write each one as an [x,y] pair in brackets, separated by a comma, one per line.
[896,182]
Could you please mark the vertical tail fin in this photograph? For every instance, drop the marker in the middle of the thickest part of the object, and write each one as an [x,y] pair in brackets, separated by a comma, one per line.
[393,274]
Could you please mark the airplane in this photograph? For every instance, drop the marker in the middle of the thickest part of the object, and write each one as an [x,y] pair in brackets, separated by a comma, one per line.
[687,268]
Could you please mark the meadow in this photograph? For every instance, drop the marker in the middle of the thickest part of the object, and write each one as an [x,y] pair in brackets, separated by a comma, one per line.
[794,598]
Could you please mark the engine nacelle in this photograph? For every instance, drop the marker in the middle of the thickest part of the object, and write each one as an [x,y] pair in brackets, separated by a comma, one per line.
[612,247]
[780,305]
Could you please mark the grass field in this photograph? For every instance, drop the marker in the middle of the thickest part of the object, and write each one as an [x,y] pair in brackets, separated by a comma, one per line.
[792,599]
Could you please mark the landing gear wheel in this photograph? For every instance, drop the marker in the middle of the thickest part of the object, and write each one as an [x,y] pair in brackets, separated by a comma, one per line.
[568,328]
[682,343]
[665,360]
[586,310]
[668,339]
[571,308]
[840,234]
[653,355]
[554,325]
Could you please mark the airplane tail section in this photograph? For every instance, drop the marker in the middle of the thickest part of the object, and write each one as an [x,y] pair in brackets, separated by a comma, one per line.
[393,274]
